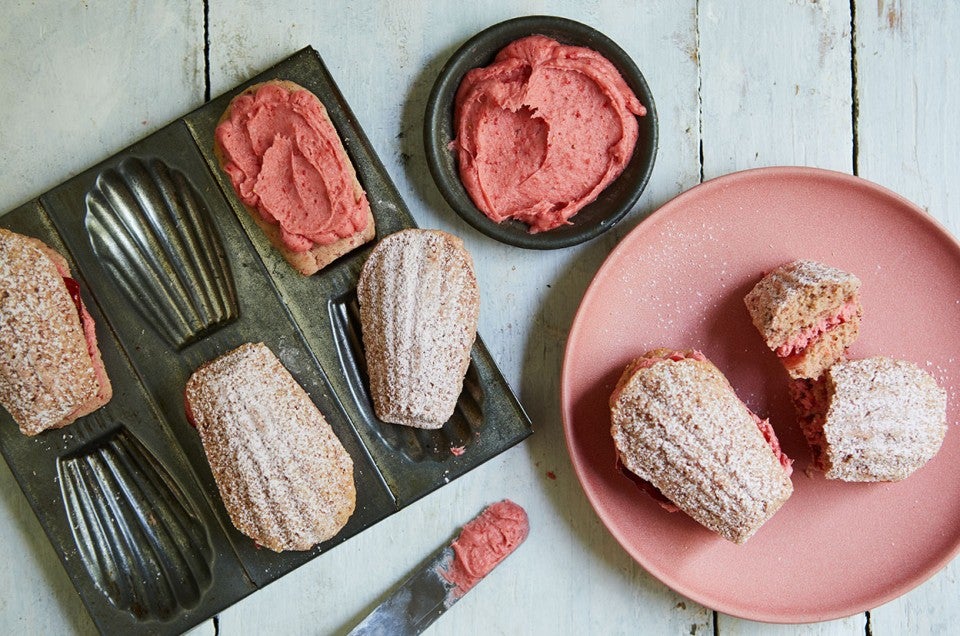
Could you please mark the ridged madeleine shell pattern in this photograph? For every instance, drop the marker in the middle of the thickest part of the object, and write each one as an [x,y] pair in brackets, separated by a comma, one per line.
[284,476]
[153,232]
[138,536]
[415,445]
[677,424]
[419,306]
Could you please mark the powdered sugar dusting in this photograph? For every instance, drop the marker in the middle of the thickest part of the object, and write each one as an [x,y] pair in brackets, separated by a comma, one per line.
[46,372]
[669,291]
[285,478]
[679,425]
[419,307]
[886,418]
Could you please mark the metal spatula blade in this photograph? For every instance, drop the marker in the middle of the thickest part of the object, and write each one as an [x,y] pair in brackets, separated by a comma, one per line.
[416,604]
[434,587]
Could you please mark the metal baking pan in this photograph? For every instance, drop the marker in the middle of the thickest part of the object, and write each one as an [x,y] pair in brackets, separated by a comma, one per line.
[175,273]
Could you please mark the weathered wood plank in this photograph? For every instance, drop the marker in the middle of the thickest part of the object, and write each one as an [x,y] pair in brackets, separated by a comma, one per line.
[776,90]
[80,81]
[570,576]
[908,92]
[775,85]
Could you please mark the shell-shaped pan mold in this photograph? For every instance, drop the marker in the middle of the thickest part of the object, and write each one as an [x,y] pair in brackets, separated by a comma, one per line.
[415,444]
[141,540]
[153,232]
[456,436]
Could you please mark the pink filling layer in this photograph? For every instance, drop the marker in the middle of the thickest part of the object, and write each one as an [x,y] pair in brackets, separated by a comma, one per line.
[89,335]
[486,541]
[810,400]
[805,336]
[771,438]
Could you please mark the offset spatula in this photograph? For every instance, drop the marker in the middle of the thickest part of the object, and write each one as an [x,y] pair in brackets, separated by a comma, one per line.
[432,589]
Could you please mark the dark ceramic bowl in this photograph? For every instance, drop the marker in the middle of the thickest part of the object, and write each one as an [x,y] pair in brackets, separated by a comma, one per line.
[594,219]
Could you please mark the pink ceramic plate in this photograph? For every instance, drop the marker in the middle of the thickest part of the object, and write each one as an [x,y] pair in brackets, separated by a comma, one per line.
[678,281]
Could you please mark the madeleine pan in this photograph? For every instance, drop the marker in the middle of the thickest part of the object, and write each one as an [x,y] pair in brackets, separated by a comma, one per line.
[175,273]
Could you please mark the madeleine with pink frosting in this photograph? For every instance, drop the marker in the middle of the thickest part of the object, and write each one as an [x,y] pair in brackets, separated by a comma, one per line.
[680,429]
[808,313]
[876,419]
[51,371]
[290,170]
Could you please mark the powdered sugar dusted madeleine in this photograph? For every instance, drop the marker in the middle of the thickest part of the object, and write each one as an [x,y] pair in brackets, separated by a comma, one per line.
[677,424]
[51,372]
[876,419]
[419,306]
[808,313]
[285,478]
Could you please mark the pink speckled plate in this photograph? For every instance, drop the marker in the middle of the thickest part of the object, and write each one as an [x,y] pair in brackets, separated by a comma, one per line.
[678,280]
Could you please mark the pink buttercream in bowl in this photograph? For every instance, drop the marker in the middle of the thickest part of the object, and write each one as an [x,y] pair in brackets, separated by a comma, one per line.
[509,173]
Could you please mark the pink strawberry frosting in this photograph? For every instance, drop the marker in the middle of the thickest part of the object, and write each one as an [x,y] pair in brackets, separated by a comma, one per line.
[104,391]
[486,541]
[286,161]
[542,131]
[805,336]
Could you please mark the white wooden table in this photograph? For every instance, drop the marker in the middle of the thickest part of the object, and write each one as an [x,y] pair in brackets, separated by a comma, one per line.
[864,87]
